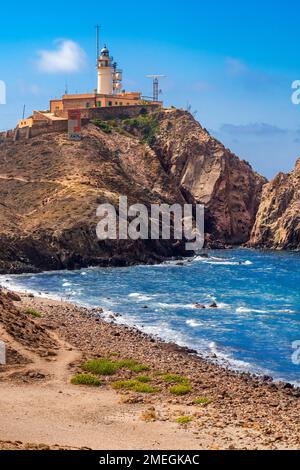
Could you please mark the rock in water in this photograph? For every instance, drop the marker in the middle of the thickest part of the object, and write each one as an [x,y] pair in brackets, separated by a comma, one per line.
[277,223]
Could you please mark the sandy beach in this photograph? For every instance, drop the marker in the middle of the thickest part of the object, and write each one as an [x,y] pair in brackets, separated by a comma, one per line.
[41,408]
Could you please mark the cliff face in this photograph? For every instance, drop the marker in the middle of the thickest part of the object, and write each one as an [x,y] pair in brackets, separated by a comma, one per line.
[278,219]
[50,189]
[208,173]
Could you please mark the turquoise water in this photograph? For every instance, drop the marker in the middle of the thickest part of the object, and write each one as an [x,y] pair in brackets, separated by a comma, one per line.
[253,329]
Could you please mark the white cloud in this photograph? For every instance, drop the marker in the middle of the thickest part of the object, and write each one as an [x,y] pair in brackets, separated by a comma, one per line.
[257,128]
[67,57]
[236,67]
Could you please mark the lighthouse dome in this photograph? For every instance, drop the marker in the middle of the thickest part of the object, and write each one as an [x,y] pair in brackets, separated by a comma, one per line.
[104,51]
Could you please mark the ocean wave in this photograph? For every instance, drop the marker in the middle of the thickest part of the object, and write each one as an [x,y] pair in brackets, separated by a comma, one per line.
[175,306]
[251,310]
[139,296]
[193,323]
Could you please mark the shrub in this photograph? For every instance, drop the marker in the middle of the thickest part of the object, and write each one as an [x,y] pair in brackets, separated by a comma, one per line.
[184,420]
[146,126]
[132,365]
[86,379]
[143,379]
[149,415]
[174,378]
[124,384]
[101,366]
[135,386]
[102,125]
[33,313]
[181,389]
[202,401]
[109,367]
[145,388]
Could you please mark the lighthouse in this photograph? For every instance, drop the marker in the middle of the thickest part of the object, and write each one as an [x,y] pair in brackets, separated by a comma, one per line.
[105,70]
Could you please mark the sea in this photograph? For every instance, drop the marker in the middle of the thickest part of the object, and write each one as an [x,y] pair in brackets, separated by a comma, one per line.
[255,327]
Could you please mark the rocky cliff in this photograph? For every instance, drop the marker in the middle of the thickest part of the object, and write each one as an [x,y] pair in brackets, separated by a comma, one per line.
[50,189]
[277,224]
[208,173]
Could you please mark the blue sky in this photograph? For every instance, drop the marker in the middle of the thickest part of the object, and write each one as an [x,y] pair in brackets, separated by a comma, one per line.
[232,61]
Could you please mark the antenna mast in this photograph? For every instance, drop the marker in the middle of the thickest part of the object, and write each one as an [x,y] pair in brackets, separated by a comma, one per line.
[97,43]
[156,90]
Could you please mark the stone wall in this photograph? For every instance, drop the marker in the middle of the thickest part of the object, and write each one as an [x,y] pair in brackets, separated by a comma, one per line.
[115,112]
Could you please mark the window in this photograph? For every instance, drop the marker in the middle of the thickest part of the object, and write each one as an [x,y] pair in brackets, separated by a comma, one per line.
[99,104]
[121,104]
[110,103]
[87,105]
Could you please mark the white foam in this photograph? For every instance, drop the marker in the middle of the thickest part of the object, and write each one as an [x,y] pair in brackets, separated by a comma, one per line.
[193,323]
[139,296]
[251,310]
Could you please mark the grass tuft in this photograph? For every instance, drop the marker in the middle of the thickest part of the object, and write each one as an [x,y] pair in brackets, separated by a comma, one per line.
[202,401]
[101,366]
[143,379]
[184,420]
[174,378]
[135,386]
[33,313]
[86,379]
[134,366]
[181,390]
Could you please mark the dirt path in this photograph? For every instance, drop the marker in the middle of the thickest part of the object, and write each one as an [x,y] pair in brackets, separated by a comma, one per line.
[55,412]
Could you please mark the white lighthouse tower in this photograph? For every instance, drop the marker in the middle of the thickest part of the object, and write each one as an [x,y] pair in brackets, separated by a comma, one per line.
[105,73]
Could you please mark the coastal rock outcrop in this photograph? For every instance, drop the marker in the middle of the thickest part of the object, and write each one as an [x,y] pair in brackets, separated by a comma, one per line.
[277,223]
[50,189]
[208,173]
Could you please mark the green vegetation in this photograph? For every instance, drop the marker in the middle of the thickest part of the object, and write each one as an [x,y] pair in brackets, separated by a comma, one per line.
[174,378]
[109,367]
[135,386]
[101,366]
[145,125]
[184,420]
[202,401]
[181,390]
[134,366]
[143,379]
[145,388]
[86,379]
[33,313]
[102,125]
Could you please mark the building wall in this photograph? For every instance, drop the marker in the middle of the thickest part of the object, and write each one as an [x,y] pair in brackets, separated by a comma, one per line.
[114,112]
[55,105]
[96,101]
[25,123]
